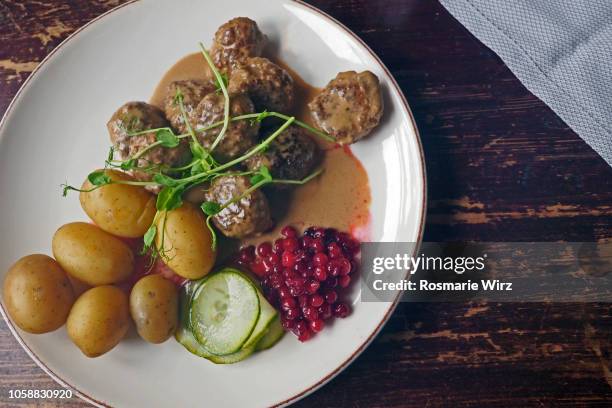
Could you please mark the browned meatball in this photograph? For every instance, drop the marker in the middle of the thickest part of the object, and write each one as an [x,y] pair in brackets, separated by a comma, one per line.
[235,41]
[349,107]
[249,216]
[292,155]
[269,86]
[240,136]
[135,117]
[193,91]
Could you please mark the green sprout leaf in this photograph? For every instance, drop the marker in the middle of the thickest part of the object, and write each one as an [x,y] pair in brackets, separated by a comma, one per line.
[197,151]
[128,164]
[99,178]
[262,175]
[150,236]
[197,168]
[169,198]
[167,138]
[164,180]
[211,208]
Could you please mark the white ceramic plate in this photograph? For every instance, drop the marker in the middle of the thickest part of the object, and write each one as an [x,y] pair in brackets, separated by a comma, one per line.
[55,129]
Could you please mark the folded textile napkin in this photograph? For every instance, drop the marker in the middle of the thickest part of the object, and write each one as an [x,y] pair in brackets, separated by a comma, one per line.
[561,50]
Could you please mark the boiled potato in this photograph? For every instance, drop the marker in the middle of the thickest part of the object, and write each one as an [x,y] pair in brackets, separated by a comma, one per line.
[37,294]
[121,209]
[154,308]
[91,255]
[187,242]
[99,319]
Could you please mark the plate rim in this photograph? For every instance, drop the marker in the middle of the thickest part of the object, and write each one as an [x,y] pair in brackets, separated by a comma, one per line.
[422,207]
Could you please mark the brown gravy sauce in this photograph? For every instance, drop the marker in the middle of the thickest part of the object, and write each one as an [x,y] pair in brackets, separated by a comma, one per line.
[339,198]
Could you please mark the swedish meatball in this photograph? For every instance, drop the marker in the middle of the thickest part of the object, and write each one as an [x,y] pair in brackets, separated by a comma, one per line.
[136,117]
[269,86]
[235,41]
[249,216]
[240,136]
[292,155]
[193,90]
[349,107]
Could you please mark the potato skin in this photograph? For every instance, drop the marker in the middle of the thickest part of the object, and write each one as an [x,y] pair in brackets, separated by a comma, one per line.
[99,320]
[154,308]
[37,294]
[187,242]
[120,209]
[91,255]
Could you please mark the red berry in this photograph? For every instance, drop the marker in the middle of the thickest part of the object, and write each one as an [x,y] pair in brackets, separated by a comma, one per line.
[264,249]
[287,324]
[296,291]
[258,268]
[289,274]
[317,325]
[334,250]
[320,273]
[301,255]
[310,313]
[341,310]
[247,254]
[292,314]
[331,296]
[331,282]
[344,265]
[315,232]
[320,259]
[275,280]
[325,311]
[277,248]
[290,244]
[317,245]
[288,259]
[288,303]
[305,335]
[288,232]
[316,300]
[305,242]
[334,268]
[312,286]
[301,267]
[300,327]
[303,301]
[344,281]
[283,292]
[296,283]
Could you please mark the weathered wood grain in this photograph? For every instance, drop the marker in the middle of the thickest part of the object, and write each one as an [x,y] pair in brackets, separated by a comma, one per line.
[501,167]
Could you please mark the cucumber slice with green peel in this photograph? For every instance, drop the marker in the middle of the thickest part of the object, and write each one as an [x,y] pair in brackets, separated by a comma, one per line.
[186,338]
[183,333]
[224,311]
[266,315]
[273,335]
[234,357]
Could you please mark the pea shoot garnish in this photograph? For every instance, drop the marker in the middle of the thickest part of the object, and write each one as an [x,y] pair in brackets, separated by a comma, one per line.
[201,168]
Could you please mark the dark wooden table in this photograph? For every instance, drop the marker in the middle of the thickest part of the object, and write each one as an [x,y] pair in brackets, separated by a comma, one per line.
[501,167]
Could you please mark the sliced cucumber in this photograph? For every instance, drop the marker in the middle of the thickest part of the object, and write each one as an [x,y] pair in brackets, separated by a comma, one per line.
[273,335]
[224,311]
[234,357]
[266,315]
[183,333]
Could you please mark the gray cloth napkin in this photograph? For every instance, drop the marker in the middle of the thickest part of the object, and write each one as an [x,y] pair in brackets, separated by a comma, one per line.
[561,50]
